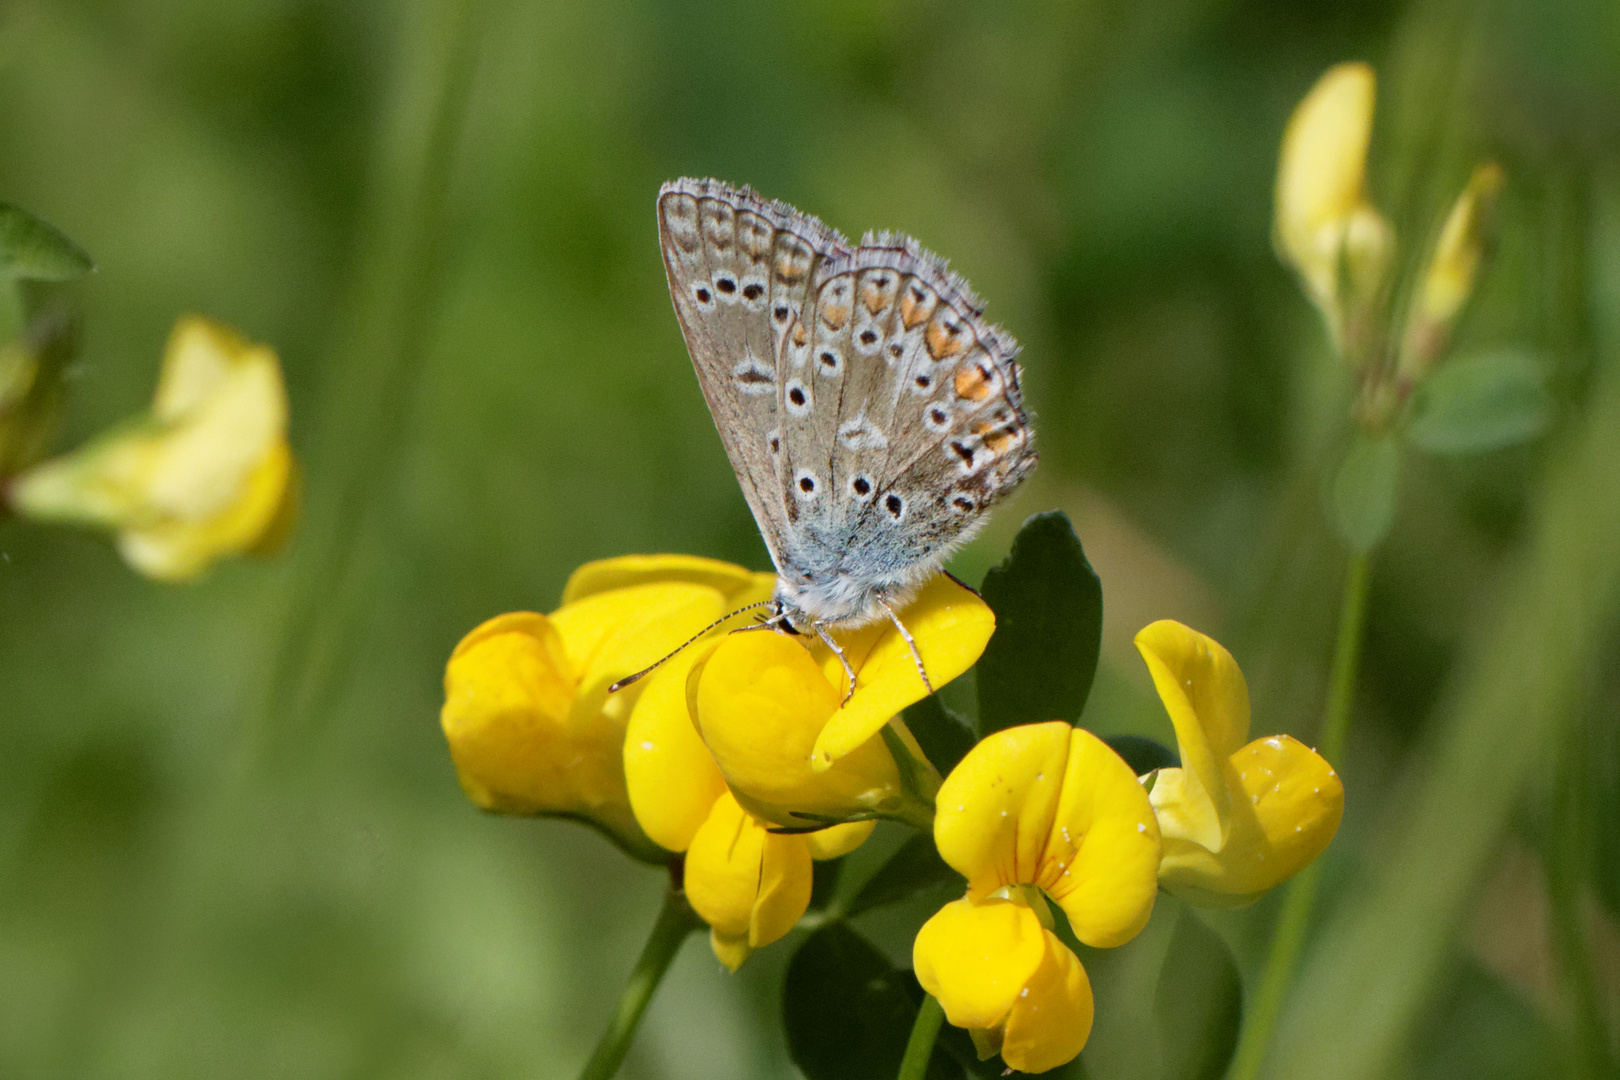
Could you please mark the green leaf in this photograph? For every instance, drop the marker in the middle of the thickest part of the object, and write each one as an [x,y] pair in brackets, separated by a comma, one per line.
[914,867]
[944,736]
[848,1012]
[1477,403]
[1048,604]
[1199,1004]
[1143,754]
[1362,492]
[34,251]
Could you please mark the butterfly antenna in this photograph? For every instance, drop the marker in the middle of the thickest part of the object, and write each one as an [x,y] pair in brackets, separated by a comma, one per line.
[649,669]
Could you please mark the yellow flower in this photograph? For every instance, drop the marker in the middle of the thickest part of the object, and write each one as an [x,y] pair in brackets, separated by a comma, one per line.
[1238,817]
[207,473]
[531,726]
[1449,279]
[1323,216]
[727,742]
[1035,812]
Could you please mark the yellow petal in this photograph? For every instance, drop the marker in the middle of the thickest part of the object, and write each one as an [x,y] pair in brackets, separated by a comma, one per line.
[951,627]
[836,840]
[994,812]
[1101,859]
[748,884]
[760,701]
[1457,253]
[1051,1020]
[605,575]
[173,549]
[672,780]
[198,358]
[1287,808]
[1321,174]
[977,956]
[508,694]
[1208,701]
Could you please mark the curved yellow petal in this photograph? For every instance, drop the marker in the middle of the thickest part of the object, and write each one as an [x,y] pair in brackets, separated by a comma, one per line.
[994,812]
[951,627]
[1051,1020]
[760,701]
[1321,174]
[1287,808]
[605,575]
[751,886]
[672,781]
[1101,858]
[1208,702]
[976,957]
[836,840]
[613,634]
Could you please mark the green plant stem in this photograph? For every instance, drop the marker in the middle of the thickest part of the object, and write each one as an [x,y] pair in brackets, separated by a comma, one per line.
[675,921]
[1292,923]
[920,1047]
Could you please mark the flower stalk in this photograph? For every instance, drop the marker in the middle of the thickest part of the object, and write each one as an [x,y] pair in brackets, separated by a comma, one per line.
[924,1032]
[675,921]
[1289,939]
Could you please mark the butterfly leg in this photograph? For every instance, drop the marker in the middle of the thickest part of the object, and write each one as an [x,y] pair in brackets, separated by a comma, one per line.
[827,640]
[911,643]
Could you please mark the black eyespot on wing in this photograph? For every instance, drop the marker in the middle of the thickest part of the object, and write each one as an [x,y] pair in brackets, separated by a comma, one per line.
[861,485]
[796,396]
[894,504]
[868,336]
[753,291]
[702,295]
[937,415]
[726,285]
[923,382]
[895,350]
[781,312]
[807,484]
[963,451]
[829,361]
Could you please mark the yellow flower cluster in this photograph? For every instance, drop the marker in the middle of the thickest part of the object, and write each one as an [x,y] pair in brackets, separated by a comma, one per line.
[207,473]
[745,757]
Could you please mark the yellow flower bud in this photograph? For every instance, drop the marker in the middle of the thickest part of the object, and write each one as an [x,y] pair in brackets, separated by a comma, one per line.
[1323,215]
[207,473]
[1238,818]
[531,725]
[1449,278]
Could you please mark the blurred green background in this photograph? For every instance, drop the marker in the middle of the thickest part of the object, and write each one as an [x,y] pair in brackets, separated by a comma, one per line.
[231,842]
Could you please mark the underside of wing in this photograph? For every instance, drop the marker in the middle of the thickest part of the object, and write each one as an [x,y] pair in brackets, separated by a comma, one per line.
[740,269]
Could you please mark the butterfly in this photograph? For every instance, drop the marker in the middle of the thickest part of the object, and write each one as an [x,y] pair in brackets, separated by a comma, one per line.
[872,415]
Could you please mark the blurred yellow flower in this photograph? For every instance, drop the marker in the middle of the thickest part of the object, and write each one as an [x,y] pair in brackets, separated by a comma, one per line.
[1323,216]
[1237,818]
[207,473]
[1448,280]
[531,726]
[1043,810]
